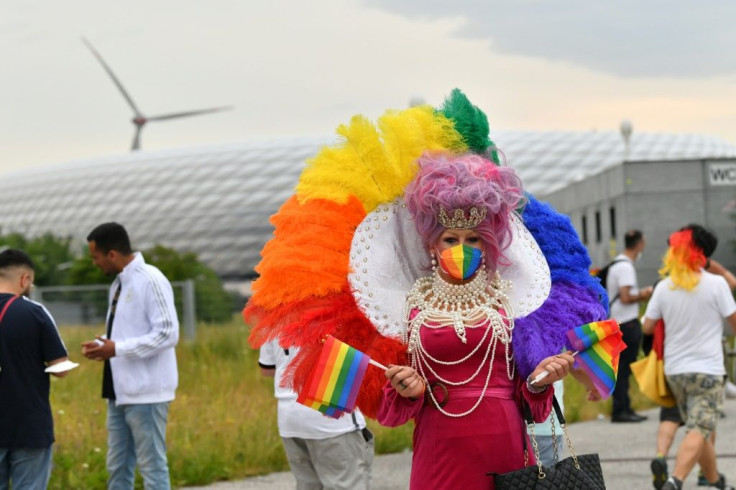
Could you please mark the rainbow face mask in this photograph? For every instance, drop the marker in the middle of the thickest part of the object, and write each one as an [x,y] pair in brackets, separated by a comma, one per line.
[461,261]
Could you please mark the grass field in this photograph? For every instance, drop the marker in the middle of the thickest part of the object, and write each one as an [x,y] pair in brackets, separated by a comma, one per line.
[222,425]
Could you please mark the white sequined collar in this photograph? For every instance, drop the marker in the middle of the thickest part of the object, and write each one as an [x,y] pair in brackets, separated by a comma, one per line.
[387,257]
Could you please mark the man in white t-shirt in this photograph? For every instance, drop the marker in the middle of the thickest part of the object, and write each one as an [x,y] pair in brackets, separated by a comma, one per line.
[624,296]
[323,453]
[693,303]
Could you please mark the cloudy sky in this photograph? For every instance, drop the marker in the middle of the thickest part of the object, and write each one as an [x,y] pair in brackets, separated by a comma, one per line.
[294,68]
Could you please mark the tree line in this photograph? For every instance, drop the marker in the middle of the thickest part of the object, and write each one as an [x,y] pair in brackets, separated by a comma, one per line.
[59,264]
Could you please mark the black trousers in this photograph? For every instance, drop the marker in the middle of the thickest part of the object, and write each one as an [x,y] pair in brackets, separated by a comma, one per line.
[631,331]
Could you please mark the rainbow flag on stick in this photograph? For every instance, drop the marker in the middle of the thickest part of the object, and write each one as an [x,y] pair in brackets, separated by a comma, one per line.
[332,387]
[597,346]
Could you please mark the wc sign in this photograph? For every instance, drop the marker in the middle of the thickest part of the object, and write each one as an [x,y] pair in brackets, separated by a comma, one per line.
[722,173]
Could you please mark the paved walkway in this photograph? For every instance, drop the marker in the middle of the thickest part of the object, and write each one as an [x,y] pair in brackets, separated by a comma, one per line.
[625,451]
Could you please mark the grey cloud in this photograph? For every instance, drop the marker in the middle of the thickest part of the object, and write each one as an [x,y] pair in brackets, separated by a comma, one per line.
[679,38]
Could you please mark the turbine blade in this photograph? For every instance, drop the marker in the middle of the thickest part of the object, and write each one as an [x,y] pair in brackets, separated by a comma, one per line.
[136,139]
[113,77]
[175,115]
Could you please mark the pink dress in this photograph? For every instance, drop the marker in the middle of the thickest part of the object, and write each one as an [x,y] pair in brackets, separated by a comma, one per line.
[457,452]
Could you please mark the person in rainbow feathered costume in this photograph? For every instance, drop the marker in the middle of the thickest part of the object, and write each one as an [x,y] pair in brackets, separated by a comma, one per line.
[348,259]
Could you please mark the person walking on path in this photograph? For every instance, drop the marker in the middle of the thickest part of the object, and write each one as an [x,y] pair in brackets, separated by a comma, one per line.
[140,374]
[693,303]
[669,417]
[323,453]
[29,344]
[625,296]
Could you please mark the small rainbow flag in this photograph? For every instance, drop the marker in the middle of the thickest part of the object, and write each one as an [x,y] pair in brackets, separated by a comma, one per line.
[462,260]
[598,346]
[332,387]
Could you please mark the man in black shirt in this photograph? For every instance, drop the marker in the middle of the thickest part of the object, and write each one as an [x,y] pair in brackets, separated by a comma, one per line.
[29,343]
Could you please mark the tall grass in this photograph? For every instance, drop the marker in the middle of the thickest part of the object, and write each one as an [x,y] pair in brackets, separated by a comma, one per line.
[578,409]
[222,425]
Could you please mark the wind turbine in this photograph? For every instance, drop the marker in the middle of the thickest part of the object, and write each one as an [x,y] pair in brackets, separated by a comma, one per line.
[139,120]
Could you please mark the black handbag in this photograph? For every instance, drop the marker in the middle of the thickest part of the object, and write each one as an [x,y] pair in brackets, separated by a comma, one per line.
[574,473]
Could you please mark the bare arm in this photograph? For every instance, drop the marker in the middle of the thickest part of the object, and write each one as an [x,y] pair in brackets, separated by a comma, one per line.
[648,327]
[583,378]
[715,267]
[732,321]
[269,372]
[57,361]
[627,298]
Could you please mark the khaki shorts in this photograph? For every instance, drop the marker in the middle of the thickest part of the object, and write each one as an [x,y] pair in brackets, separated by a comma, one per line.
[699,397]
[342,462]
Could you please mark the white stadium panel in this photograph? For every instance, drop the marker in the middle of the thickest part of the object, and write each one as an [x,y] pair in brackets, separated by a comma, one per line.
[216,200]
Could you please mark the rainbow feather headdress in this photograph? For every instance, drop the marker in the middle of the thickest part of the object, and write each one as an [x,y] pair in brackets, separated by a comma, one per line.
[314,282]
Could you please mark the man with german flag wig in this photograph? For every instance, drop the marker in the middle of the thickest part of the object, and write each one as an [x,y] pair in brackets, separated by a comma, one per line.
[693,303]
[410,241]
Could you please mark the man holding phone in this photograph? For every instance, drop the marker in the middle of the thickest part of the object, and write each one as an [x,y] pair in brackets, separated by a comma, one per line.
[29,345]
[140,374]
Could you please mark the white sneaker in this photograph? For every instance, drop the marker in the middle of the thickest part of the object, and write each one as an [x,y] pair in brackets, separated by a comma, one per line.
[730,390]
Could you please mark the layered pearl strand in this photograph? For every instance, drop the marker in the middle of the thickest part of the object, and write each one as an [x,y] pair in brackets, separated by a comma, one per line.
[474,304]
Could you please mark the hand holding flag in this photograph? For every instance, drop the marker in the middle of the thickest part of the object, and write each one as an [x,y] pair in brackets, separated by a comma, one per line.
[597,347]
[332,387]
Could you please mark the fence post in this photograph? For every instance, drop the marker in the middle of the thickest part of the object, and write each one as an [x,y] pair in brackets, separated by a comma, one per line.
[190,312]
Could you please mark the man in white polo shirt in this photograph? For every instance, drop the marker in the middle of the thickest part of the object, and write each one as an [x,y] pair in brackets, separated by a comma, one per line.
[323,453]
[624,296]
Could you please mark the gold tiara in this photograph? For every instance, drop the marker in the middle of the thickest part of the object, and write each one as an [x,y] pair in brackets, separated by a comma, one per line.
[458,219]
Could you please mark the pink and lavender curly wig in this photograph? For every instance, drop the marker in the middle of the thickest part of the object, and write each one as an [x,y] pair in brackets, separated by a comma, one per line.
[461,182]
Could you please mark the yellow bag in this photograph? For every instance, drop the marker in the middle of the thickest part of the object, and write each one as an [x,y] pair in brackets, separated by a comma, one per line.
[649,372]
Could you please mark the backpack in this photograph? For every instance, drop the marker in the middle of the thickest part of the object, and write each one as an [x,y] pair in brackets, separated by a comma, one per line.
[602,275]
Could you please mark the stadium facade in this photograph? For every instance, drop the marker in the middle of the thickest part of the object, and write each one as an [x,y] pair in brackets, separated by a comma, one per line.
[216,200]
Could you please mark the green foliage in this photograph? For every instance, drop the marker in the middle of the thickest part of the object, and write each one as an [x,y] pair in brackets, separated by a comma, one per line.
[83,271]
[213,303]
[392,440]
[51,255]
[56,265]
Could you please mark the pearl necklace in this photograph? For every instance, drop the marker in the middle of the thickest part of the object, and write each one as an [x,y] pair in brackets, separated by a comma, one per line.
[460,305]
[474,304]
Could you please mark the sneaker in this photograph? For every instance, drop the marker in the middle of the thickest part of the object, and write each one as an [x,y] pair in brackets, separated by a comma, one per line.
[721,483]
[659,472]
[672,483]
[730,390]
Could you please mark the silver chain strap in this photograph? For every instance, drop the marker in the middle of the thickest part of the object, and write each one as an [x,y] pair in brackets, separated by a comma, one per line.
[569,445]
[533,438]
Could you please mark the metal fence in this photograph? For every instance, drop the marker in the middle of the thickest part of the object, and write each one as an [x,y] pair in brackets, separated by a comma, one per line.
[87,305]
